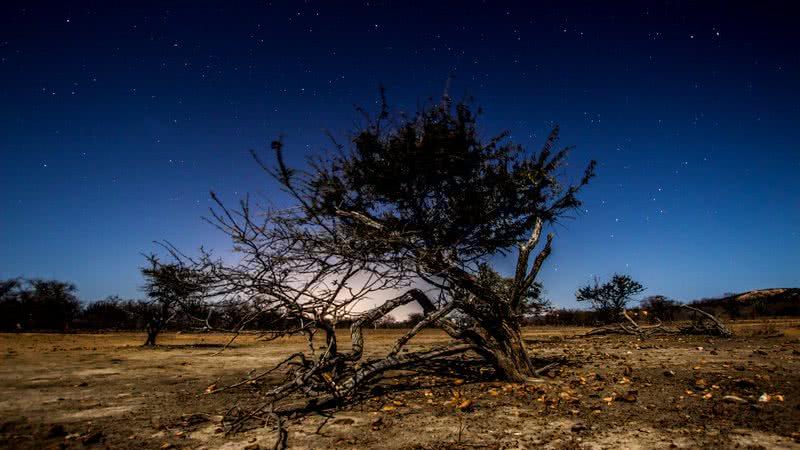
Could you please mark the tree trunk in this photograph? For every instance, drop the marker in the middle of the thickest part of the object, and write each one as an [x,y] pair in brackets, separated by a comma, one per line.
[153,328]
[151,338]
[505,349]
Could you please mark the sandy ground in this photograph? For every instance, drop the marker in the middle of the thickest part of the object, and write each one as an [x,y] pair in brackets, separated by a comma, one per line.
[105,391]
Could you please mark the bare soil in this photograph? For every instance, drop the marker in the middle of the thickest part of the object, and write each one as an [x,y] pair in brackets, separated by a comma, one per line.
[106,391]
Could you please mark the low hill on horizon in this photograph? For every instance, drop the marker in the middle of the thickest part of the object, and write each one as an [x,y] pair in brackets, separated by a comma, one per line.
[758,302]
[769,294]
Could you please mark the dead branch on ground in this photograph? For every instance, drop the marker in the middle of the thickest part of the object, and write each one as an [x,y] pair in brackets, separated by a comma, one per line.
[703,324]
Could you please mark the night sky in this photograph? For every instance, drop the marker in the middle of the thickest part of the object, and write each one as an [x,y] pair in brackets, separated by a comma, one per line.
[116,121]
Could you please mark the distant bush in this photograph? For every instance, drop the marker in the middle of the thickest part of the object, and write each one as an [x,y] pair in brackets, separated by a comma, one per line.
[659,307]
[569,317]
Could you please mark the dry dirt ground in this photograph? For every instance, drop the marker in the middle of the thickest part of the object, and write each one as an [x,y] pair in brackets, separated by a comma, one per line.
[105,391]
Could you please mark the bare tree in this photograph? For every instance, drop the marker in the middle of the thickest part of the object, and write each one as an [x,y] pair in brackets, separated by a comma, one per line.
[609,299]
[417,204]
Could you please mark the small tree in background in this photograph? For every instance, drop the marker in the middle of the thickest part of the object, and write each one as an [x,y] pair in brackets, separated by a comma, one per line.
[732,306]
[660,307]
[760,307]
[171,288]
[52,304]
[387,321]
[233,313]
[611,298]
[413,319]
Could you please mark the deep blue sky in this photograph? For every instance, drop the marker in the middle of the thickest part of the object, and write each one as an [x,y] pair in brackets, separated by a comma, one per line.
[116,121]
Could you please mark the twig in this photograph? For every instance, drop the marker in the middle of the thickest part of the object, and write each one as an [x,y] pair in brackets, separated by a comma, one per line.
[256,377]
[319,428]
[542,370]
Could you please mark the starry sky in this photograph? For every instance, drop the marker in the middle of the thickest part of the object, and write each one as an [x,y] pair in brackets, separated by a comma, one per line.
[117,119]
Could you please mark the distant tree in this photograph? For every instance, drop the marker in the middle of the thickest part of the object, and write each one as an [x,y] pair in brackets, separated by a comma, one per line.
[237,314]
[106,313]
[111,313]
[567,317]
[171,288]
[11,312]
[732,306]
[8,287]
[37,304]
[231,313]
[139,311]
[195,313]
[387,321]
[413,319]
[760,306]
[52,304]
[611,298]
[660,307]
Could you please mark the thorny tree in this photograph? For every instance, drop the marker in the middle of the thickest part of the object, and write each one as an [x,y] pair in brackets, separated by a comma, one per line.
[172,288]
[610,299]
[416,205]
